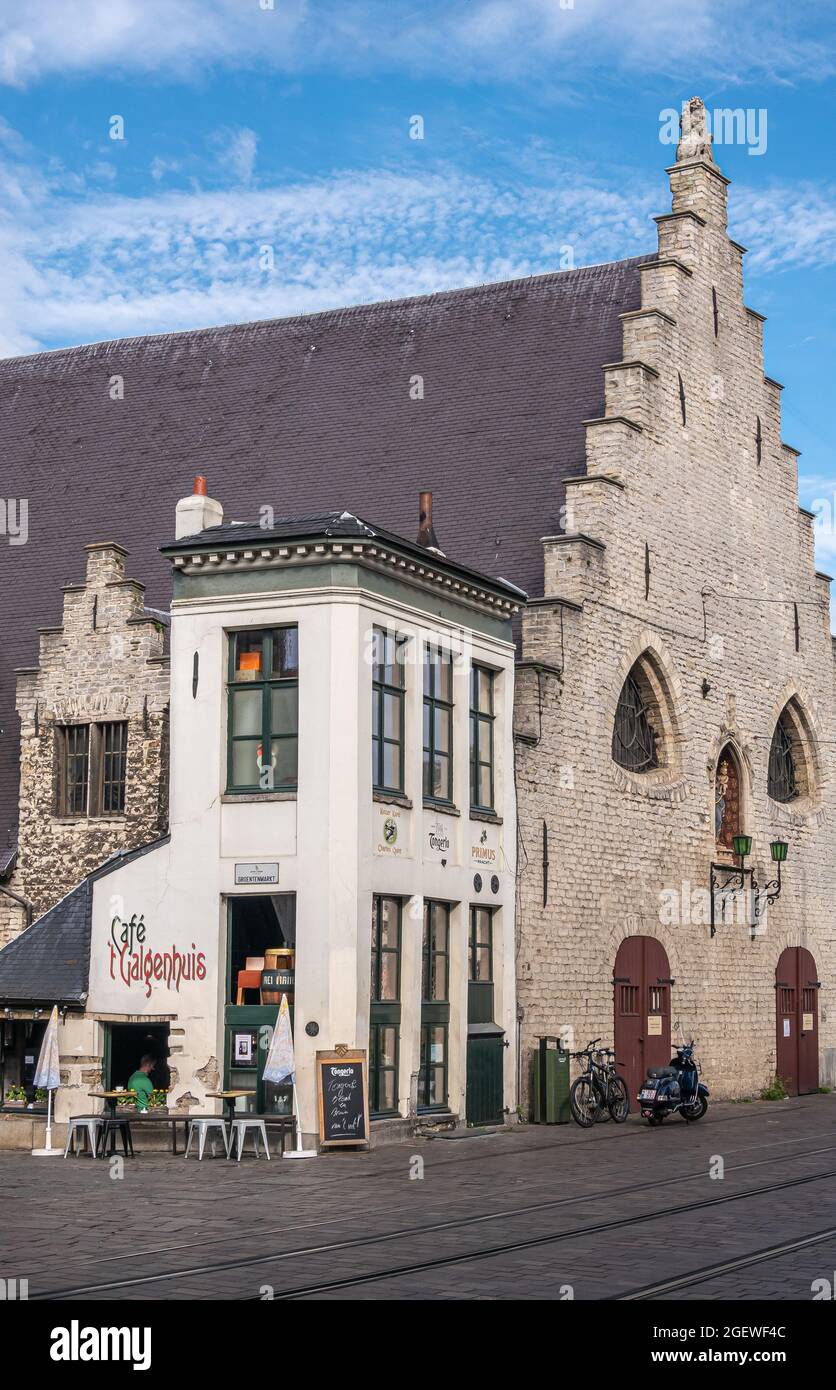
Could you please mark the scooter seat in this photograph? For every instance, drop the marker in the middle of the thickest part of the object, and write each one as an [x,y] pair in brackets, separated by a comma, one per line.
[661,1071]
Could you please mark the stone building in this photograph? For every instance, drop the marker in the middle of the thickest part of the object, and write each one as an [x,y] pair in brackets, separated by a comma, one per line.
[94,737]
[676,690]
[606,439]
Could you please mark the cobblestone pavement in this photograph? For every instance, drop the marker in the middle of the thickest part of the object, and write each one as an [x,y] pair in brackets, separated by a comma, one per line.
[540,1213]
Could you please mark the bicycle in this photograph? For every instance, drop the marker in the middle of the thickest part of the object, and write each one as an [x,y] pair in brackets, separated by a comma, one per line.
[599,1093]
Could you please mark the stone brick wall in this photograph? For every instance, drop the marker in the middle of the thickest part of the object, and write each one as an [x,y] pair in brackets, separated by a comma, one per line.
[728,556]
[105,662]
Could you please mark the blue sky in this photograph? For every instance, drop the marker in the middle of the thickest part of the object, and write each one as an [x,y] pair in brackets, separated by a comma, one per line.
[247,127]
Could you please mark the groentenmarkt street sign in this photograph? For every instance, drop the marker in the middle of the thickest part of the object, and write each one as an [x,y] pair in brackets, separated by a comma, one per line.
[256,873]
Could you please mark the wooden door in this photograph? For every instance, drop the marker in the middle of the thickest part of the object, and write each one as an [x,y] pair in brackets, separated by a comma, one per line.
[797,1021]
[642,1009]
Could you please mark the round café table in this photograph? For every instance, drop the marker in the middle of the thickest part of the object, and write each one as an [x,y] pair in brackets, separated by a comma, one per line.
[229,1098]
[112,1098]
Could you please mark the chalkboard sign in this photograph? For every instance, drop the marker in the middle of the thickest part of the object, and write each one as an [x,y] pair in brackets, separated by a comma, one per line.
[343,1095]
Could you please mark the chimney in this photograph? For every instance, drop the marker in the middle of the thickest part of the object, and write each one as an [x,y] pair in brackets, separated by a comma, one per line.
[196,513]
[426,533]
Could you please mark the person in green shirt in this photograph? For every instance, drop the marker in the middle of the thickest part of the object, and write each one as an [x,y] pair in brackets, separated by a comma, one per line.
[141,1083]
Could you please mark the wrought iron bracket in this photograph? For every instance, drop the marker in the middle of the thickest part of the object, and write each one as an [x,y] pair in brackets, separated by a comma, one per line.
[725,884]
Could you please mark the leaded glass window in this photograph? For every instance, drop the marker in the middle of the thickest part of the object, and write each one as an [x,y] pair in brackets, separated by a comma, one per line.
[634,737]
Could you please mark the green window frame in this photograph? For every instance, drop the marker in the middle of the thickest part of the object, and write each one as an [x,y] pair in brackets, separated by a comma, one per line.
[435,1007]
[438,726]
[480,963]
[388,691]
[385,1005]
[482,684]
[263,710]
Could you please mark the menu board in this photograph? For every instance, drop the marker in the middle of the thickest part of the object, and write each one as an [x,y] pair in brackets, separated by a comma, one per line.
[343,1095]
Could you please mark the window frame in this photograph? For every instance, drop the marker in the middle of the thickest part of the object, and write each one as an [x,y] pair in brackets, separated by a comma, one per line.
[435,658]
[384,1013]
[265,686]
[384,690]
[785,737]
[94,758]
[478,718]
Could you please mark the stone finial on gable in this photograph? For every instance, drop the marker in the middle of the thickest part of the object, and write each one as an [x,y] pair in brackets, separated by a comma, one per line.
[694,135]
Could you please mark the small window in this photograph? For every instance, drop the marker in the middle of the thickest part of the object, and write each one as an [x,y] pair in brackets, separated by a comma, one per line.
[783,778]
[386,950]
[438,725]
[263,710]
[74,770]
[482,739]
[480,962]
[92,769]
[114,760]
[388,711]
[435,955]
[634,736]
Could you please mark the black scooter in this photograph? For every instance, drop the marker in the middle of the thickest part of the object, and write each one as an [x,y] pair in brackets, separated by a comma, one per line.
[677,1087]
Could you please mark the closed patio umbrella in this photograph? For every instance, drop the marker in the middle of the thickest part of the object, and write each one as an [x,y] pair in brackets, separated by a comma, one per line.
[281,1064]
[48,1076]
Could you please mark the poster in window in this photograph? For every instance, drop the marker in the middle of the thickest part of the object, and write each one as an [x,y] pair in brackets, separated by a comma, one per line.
[243,1049]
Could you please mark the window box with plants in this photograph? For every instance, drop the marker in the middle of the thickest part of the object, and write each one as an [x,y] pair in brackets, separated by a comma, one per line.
[14,1098]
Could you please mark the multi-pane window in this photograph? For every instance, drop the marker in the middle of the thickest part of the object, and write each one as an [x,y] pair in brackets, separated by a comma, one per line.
[435,971]
[438,725]
[114,761]
[92,762]
[263,692]
[480,966]
[74,769]
[435,1006]
[480,963]
[482,739]
[388,711]
[385,1010]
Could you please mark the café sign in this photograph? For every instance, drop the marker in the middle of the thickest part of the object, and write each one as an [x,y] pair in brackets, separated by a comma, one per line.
[134,962]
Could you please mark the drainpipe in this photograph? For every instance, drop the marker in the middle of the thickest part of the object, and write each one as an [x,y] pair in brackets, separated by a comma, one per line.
[22,902]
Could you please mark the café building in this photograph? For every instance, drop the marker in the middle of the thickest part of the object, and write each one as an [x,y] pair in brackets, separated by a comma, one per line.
[342,830]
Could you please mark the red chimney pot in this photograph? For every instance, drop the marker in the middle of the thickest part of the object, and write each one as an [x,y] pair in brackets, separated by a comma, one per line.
[200,486]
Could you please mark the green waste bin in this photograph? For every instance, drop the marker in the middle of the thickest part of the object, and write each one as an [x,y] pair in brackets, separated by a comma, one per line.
[550,1088]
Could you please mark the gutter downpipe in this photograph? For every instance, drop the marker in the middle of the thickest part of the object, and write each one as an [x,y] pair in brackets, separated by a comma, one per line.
[22,902]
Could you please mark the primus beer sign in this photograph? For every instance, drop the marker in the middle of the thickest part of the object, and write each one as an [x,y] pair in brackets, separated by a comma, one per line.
[134,963]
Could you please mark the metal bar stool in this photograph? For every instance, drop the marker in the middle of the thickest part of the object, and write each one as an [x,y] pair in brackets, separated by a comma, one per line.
[82,1127]
[204,1124]
[239,1134]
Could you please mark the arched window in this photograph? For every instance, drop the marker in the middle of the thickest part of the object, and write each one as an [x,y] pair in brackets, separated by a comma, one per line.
[783,777]
[634,736]
[727,799]
[792,773]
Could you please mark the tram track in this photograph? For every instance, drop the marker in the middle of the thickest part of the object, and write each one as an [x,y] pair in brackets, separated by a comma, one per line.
[706,1272]
[545,1205]
[438,1262]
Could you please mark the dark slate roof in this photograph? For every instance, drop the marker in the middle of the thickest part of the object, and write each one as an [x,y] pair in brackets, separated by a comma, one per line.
[304,414]
[49,963]
[341,525]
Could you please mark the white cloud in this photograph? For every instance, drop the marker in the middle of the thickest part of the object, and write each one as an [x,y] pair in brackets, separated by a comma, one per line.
[465,39]
[787,225]
[236,152]
[92,264]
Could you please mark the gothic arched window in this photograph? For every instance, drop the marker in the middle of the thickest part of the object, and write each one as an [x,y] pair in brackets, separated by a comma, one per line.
[783,776]
[634,736]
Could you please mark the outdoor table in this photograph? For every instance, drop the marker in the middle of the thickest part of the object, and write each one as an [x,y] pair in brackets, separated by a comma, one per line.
[112,1097]
[230,1098]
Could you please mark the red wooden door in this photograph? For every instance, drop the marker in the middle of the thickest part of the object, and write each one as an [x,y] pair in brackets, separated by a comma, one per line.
[642,1009]
[797,1021]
